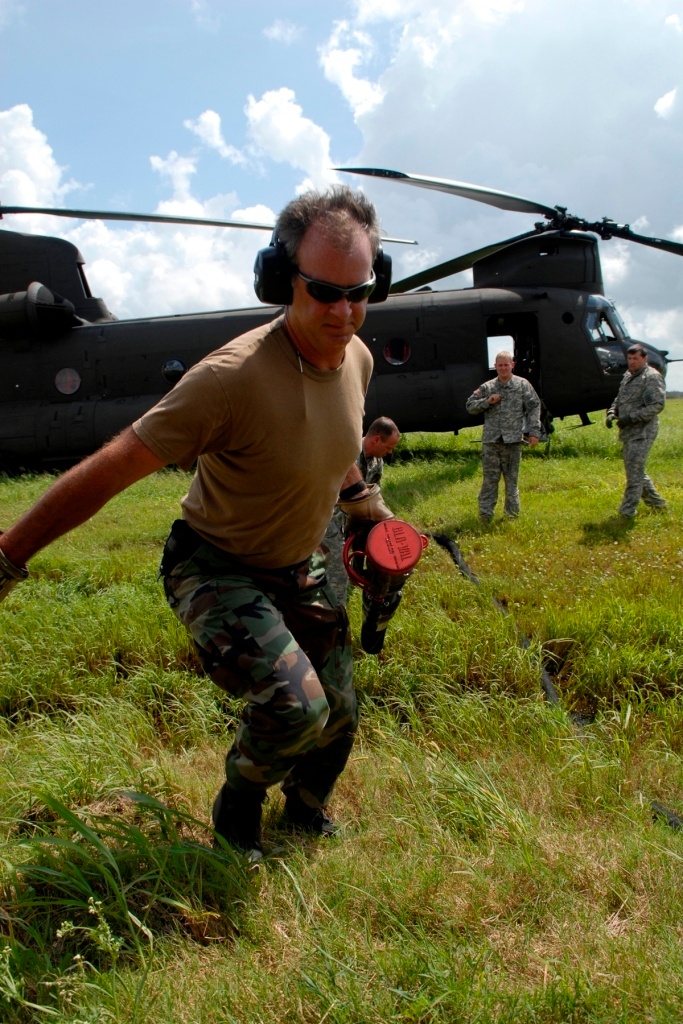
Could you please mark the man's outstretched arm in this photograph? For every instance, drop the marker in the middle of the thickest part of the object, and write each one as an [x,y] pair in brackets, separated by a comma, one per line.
[78,494]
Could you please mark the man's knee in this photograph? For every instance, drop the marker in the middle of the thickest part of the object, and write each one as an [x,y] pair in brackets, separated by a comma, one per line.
[289,707]
[299,721]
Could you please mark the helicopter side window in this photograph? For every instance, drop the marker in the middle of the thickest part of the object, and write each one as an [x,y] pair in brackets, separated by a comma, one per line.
[67,381]
[397,352]
[499,343]
[173,370]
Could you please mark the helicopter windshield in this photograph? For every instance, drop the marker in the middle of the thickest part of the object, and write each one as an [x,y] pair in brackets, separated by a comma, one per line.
[607,334]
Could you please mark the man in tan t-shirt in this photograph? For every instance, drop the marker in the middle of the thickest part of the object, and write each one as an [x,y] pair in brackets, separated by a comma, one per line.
[274,422]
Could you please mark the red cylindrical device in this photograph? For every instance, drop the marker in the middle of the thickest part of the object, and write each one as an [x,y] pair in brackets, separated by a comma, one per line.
[391,551]
[379,560]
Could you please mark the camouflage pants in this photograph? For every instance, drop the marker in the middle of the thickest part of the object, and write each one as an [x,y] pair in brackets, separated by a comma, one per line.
[279,640]
[499,459]
[333,541]
[638,483]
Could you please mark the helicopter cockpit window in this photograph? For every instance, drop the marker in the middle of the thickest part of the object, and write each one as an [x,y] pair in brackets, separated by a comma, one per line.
[605,330]
[173,370]
[397,352]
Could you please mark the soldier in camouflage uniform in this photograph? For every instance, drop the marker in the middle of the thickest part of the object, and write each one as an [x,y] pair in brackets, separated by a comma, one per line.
[511,410]
[382,437]
[243,569]
[641,397]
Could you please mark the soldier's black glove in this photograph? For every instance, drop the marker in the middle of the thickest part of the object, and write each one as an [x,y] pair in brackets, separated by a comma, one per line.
[367,507]
[10,574]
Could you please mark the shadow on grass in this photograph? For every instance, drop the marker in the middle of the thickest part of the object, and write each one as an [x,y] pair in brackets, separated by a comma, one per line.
[471,525]
[429,453]
[438,477]
[451,465]
[616,528]
[566,442]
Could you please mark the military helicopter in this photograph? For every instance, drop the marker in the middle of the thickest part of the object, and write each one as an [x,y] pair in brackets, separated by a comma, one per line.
[74,375]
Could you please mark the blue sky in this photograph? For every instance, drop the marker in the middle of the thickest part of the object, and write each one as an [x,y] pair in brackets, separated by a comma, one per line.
[209,107]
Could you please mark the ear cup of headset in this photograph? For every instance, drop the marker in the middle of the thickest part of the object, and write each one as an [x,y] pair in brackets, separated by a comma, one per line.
[382,271]
[273,272]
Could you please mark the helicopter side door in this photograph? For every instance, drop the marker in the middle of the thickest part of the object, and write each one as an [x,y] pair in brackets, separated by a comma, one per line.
[519,332]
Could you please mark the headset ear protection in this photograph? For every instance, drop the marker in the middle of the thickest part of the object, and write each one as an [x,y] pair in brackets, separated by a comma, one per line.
[382,269]
[273,273]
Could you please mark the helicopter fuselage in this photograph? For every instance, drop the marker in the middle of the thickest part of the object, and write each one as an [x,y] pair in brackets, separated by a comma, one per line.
[61,397]
[73,375]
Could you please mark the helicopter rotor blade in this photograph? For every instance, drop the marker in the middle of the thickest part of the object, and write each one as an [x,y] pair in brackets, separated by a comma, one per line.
[607,229]
[155,218]
[558,217]
[152,218]
[490,196]
[454,266]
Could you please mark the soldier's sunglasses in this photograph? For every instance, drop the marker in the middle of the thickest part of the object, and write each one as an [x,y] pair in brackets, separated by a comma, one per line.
[328,294]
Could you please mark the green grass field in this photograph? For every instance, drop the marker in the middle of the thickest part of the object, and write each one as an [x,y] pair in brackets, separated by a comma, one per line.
[500,858]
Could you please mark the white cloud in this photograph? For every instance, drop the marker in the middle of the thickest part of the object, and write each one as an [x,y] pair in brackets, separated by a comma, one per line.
[490,92]
[427,27]
[205,16]
[367,11]
[340,57]
[178,170]
[665,104]
[641,225]
[29,173]
[494,10]
[284,32]
[409,11]
[10,8]
[662,328]
[419,259]
[616,263]
[115,279]
[675,22]
[207,127]
[278,129]
[144,269]
[150,269]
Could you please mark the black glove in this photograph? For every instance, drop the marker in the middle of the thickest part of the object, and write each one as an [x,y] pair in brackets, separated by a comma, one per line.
[367,507]
[610,418]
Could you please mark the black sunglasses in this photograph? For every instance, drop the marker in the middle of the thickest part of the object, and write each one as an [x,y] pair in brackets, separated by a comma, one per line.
[331,293]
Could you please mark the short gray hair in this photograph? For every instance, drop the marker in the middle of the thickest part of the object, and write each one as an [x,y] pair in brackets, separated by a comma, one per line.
[383,427]
[339,210]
